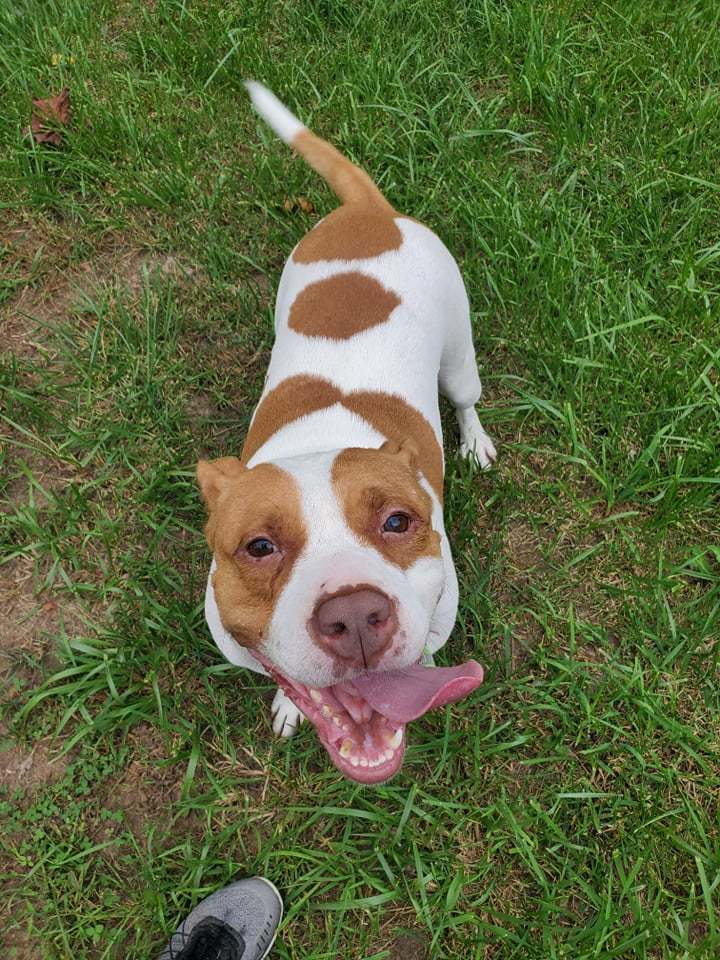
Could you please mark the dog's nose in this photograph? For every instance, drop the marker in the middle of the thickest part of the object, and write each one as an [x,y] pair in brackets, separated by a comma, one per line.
[356,627]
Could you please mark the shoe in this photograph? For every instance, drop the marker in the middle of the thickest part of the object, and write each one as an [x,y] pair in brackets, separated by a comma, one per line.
[238,922]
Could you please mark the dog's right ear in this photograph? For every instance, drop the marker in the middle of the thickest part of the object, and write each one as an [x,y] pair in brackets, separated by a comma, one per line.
[404,449]
[214,475]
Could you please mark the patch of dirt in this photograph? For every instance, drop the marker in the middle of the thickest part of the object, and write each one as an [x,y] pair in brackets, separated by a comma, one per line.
[410,945]
[524,565]
[521,546]
[51,475]
[202,407]
[27,770]
[149,789]
[18,945]
[30,621]
[47,287]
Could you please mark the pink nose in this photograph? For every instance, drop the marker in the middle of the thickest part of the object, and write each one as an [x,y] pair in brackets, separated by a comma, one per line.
[356,627]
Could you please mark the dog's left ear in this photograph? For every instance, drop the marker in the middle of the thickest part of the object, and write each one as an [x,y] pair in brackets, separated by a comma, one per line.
[404,449]
[214,475]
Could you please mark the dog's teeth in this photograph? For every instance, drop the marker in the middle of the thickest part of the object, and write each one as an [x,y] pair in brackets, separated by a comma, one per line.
[364,762]
[326,711]
[346,749]
[315,695]
[395,740]
[355,761]
[388,755]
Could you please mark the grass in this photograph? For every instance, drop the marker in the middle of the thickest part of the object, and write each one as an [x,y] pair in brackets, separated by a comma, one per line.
[567,152]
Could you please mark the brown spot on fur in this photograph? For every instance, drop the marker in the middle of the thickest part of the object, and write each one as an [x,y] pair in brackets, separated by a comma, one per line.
[368,482]
[350,183]
[395,419]
[351,232]
[387,413]
[341,306]
[292,398]
[246,504]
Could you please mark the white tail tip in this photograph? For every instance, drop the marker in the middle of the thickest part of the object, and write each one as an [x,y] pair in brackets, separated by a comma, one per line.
[285,124]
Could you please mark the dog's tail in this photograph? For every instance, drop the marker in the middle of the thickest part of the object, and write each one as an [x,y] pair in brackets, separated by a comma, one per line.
[350,183]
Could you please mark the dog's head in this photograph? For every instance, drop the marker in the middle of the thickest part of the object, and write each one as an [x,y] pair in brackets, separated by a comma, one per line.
[327,565]
[329,568]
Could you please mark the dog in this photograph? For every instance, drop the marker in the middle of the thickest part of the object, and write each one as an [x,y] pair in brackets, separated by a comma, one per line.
[331,568]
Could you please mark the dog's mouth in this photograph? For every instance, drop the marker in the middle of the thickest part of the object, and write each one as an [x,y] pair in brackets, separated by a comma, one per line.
[361,722]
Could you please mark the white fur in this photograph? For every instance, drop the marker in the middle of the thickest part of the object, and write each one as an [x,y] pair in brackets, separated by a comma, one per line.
[333,558]
[275,114]
[286,718]
[474,442]
[425,343]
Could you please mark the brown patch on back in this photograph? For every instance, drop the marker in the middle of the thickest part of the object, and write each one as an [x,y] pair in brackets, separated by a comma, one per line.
[292,398]
[387,413]
[370,481]
[392,416]
[354,231]
[263,501]
[341,306]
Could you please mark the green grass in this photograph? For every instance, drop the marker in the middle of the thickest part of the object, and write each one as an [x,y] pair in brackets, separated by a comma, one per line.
[568,154]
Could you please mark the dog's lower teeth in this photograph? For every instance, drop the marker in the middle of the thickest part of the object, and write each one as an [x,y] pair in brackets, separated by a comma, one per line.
[355,761]
[315,696]
[395,740]
[346,749]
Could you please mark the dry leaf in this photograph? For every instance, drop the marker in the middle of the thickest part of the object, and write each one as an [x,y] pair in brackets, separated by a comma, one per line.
[298,203]
[47,115]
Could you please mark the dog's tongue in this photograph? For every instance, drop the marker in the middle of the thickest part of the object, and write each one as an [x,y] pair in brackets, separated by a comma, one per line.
[405,695]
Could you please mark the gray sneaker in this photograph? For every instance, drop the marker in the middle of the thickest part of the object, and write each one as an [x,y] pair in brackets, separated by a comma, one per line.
[238,922]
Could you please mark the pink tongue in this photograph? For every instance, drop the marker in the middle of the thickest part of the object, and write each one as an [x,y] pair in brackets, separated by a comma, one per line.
[405,695]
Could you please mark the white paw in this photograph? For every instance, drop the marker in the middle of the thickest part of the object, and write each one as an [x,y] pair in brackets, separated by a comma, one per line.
[480,446]
[286,718]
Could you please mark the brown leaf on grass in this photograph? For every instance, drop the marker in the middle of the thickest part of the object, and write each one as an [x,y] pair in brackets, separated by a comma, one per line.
[298,203]
[47,116]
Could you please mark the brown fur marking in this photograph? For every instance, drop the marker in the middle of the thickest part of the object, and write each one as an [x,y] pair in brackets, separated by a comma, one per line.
[341,306]
[352,232]
[388,413]
[395,419]
[290,399]
[368,481]
[351,183]
[263,501]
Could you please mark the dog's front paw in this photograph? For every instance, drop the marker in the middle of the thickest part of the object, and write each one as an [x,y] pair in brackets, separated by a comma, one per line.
[479,445]
[286,718]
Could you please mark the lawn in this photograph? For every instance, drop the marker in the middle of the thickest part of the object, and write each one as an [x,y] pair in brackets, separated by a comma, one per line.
[567,152]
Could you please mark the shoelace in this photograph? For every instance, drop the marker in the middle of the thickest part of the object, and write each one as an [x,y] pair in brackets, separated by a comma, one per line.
[211,939]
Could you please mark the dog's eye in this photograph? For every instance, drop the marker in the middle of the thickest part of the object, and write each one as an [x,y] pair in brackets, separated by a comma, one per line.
[397,523]
[260,547]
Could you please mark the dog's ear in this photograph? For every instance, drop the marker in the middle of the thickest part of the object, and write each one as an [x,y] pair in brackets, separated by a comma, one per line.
[214,475]
[404,449]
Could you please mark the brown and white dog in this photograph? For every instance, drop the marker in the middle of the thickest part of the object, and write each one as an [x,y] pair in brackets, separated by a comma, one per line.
[331,568]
